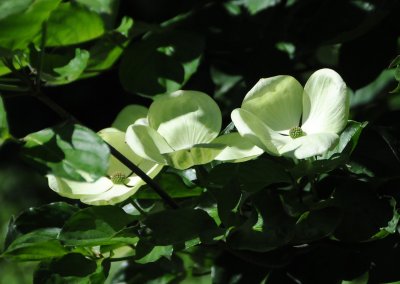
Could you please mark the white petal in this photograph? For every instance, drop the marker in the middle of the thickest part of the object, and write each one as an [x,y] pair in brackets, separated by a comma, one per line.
[239,149]
[147,143]
[310,145]
[149,167]
[116,138]
[276,101]
[252,128]
[116,194]
[129,115]
[185,118]
[74,189]
[325,103]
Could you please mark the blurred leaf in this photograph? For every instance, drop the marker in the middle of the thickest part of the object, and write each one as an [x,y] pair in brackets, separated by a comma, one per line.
[98,6]
[173,185]
[171,227]
[255,6]
[18,30]
[11,7]
[68,73]
[370,92]
[4,134]
[72,268]
[95,226]
[70,151]
[160,62]
[362,279]
[251,176]
[36,245]
[71,24]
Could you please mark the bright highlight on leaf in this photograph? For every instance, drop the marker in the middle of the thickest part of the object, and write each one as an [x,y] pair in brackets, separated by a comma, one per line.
[120,182]
[282,118]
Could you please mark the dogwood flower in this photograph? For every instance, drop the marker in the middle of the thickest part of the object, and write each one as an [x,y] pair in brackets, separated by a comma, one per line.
[282,118]
[120,182]
[182,132]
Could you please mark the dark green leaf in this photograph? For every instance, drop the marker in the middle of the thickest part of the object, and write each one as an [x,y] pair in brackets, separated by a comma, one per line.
[72,268]
[268,228]
[36,245]
[146,252]
[69,151]
[71,24]
[364,213]
[18,30]
[251,176]
[173,185]
[95,226]
[316,224]
[171,227]
[160,63]
[51,215]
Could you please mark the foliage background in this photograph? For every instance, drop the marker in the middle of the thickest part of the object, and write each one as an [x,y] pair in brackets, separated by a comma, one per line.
[235,43]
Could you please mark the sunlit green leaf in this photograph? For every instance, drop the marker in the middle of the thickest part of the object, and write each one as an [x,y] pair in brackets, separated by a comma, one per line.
[18,30]
[11,7]
[70,151]
[71,24]
[255,6]
[4,134]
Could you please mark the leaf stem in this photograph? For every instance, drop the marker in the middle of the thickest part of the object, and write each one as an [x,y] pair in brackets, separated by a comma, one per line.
[41,56]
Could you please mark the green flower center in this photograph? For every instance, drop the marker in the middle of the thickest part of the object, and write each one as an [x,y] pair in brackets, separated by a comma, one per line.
[296,132]
[118,178]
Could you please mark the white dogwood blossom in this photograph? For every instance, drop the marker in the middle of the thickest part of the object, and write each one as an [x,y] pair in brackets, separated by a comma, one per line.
[182,131]
[120,182]
[282,118]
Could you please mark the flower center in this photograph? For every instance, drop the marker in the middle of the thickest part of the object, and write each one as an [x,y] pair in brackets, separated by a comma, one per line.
[118,178]
[296,132]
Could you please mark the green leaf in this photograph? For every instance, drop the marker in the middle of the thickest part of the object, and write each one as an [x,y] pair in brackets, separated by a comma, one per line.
[95,226]
[172,227]
[362,279]
[4,134]
[36,245]
[269,227]
[173,185]
[54,74]
[18,30]
[11,7]
[128,115]
[108,49]
[72,24]
[98,6]
[160,63]
[391,227]
[146,253]
[72,268]
[255,6]
[316,224]
[251,176]
[70,151]
[364,213]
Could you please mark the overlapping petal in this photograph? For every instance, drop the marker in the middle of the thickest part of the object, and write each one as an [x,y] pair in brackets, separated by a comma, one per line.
[238,148]
[185,118]
[276,101]
[258,132]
